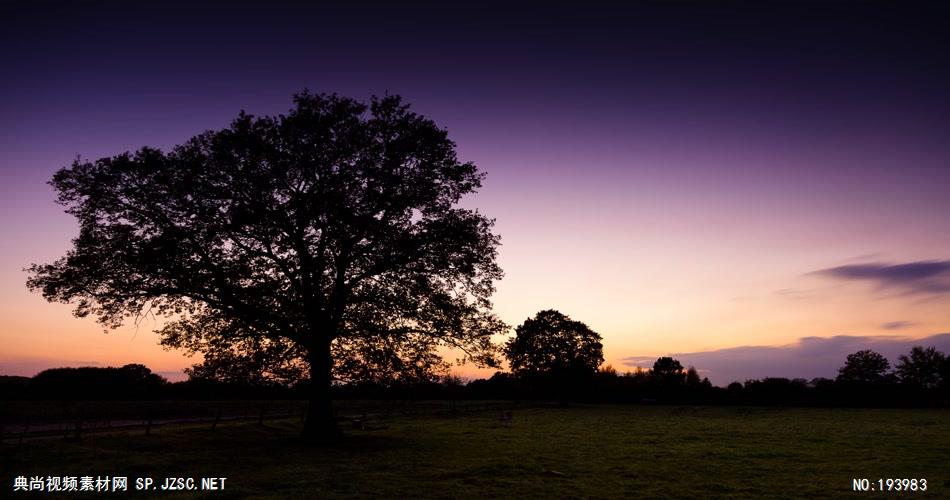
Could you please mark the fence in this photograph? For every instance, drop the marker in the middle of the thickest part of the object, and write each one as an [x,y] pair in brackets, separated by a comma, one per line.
[26,420]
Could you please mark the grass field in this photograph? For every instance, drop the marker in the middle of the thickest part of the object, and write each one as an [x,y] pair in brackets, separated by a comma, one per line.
[586,451]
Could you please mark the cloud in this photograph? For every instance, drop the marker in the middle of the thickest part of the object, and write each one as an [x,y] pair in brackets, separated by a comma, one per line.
[808,358]
[797,293]
[867,256]
[897,325]
[922,277]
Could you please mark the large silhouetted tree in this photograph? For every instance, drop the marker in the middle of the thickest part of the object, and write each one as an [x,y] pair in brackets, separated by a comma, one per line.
[551,342]
[311,242]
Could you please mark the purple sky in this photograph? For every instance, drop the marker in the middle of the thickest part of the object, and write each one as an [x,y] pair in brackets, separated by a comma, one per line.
[681,176]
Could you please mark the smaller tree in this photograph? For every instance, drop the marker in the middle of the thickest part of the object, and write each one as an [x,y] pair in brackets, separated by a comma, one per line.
[692,377]
[867,367]
[608,371]
[922,368]
[552,343]
[667,370]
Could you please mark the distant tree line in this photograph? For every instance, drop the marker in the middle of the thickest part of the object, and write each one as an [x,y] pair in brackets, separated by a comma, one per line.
[129,382]
[552,358]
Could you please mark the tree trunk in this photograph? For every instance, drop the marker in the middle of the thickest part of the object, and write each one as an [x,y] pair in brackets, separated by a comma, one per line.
[320,426]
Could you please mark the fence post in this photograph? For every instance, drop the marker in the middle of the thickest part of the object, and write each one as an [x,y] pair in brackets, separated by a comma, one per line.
[217,418]
[26,429]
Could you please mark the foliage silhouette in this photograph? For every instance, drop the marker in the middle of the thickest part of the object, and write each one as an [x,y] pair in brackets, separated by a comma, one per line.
[921,368]
[692,377]
[864,367]
[551,342]
[133,381]
[606,385]
[668,371]
[308,243]
[555,354]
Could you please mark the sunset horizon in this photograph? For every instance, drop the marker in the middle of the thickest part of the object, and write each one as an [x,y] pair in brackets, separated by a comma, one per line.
[717,195]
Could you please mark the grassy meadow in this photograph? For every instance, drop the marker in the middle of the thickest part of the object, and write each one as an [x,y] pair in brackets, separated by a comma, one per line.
[581,451]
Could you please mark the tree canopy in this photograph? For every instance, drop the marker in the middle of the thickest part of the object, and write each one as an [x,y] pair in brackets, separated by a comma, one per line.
[316,242]
[865,366]
[551,342]
[922,367]
[668,370]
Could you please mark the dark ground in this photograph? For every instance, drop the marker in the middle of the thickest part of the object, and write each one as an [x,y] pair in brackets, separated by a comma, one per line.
[583,451]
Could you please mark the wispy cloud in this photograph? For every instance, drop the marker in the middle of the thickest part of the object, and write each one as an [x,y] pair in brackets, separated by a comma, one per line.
[797,293]
[808,358]
[922,277]
[897,325]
